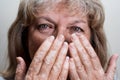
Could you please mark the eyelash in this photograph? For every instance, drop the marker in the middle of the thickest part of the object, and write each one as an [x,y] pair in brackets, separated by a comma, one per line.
[76,29]
[42,26]
[45,27]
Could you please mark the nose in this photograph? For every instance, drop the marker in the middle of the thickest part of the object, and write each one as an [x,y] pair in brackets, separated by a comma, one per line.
[65,33]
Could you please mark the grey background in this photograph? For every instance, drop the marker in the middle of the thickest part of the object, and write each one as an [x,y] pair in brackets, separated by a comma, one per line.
[8,11]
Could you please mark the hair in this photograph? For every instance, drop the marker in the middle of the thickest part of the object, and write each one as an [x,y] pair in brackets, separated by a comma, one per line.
[18,32]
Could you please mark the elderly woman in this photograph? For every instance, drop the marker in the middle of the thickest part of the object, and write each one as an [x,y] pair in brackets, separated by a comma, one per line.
[59,40]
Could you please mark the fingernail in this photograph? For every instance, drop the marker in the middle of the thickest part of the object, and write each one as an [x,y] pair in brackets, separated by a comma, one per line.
[18,61]
[67,58]
[73,36]
[66,44]
[61,37]
[51,38]
[66,63]
[18,65]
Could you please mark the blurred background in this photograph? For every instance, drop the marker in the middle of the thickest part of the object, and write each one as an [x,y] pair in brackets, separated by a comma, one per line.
[8,12]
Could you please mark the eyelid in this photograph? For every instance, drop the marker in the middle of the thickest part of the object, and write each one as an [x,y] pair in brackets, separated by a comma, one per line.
[47,19]
[48,24]
[77,27]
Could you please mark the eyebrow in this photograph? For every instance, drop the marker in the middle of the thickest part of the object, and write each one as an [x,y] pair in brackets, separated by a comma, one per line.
[52,21]
[48,19]
[78,21]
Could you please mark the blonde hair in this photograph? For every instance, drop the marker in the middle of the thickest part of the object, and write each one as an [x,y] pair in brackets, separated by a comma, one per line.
[18,32]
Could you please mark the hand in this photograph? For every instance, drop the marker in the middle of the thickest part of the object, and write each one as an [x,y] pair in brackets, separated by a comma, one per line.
[85,64]
[49,62]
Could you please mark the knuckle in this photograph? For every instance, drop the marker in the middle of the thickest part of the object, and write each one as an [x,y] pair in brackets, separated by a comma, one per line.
[54,48]
[81,49]
[43,76]
[38,59]
[18,72]
[94,57]
[80,68]
[86,61]
[56,68]
[48,61]
[50,58]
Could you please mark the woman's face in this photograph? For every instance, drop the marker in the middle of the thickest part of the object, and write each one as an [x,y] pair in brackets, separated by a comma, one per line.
[55,23]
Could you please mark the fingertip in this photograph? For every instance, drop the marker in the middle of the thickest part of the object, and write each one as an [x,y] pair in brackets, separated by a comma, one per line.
[112,62]
[112,65]
[19,60]
[21,63]
[51,38]
[114,58]
[67,58]
[20,69]
[66,43]
[67,61]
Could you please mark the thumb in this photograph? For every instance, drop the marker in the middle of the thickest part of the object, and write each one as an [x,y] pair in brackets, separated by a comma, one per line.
[21,69]
[112,67]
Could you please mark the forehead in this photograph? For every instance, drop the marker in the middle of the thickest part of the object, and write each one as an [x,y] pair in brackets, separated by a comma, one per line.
[58,12]
[66,7]
[61,15]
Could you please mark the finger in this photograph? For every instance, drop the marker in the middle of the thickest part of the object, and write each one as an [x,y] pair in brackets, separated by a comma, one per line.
[92,54]
[21,69]
[82,54]
[56,69]
[40,55]
[79,66]
[64,72]
[72,71]
[112,67]
[51,57]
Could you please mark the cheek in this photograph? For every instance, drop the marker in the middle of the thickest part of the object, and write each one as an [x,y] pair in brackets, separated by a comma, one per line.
[35,39]
[88,33]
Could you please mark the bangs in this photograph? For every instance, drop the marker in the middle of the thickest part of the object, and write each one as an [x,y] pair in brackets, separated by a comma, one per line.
[90,8]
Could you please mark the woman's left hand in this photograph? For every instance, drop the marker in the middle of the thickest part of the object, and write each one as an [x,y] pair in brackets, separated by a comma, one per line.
[85,64]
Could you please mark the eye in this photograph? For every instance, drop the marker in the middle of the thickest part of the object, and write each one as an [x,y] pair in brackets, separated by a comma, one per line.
[76,29]
[43,26]
[46,28]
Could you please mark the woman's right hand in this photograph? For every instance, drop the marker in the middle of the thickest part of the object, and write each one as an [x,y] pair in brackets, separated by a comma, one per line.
[49,62]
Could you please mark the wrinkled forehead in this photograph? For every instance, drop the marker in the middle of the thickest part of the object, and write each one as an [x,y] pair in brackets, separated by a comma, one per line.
[73,7]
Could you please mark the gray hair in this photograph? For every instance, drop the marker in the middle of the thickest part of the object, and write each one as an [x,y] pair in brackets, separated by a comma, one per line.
[27,11]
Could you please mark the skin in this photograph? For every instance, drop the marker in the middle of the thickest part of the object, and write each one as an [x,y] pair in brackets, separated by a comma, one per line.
[59,23]
[48,47]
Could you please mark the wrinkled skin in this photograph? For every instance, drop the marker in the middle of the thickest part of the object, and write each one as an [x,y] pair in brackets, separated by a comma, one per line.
[49,45]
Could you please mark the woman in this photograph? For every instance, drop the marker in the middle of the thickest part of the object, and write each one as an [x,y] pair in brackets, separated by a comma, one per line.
[59,40]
